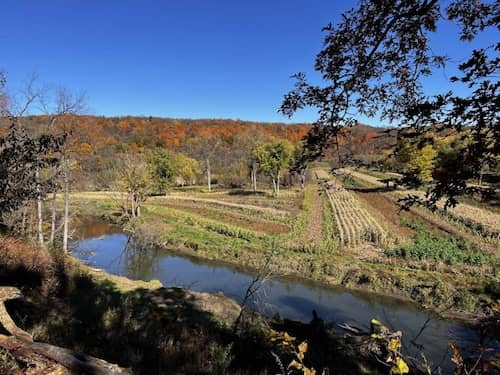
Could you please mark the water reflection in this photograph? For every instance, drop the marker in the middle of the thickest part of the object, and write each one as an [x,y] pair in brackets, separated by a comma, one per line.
[290,298]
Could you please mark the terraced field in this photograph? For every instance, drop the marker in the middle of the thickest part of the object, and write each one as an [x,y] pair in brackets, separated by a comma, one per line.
[326,232]
[478,224]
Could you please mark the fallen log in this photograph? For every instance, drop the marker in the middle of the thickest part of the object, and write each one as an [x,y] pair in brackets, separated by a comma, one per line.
[21,345]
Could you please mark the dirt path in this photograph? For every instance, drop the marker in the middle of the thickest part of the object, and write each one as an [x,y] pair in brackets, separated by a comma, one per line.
[314,231]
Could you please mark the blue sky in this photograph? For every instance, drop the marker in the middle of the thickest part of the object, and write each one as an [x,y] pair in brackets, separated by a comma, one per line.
[184,59]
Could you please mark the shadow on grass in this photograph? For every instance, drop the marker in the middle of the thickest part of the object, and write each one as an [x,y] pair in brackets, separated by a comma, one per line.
[370,189]
[242,192]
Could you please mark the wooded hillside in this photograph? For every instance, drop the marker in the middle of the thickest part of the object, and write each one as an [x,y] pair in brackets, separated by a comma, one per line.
[97,142]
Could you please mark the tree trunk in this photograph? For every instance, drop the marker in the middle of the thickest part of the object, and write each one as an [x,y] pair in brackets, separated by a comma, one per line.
[66,204]
[39,207]
[254,177]
[274,186]
[209,176]
[132,203]
[302,180]
[138,209]
[278,185]
[23,220]
[31,225]
[53,218]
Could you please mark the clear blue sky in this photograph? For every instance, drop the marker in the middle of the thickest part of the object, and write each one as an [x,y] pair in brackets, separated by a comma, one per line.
[184,59]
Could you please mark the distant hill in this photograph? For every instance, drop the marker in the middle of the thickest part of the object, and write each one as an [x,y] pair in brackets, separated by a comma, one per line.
[97,134]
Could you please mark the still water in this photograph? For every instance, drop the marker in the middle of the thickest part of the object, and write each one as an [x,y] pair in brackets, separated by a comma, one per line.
[105,246]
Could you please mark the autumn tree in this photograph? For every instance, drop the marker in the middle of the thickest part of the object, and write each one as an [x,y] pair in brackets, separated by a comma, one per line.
[373,62]
[187,168]
[273,158]
[415,163]
[135,180]
[61,113]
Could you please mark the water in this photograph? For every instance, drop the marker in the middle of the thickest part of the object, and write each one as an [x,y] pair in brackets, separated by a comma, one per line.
[104,246]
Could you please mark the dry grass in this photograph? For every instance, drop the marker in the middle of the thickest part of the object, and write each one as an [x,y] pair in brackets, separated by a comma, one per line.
[16,254]
[354,222]
[321,174]
[314,231]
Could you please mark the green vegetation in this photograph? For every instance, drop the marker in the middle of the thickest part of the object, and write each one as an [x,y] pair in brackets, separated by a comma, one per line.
[273,158]
[350,181]
[444,248]
[165,167]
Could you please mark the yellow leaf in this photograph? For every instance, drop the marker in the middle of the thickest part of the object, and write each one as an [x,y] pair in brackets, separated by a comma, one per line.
[375,322]
[303,347]
[308,371]
[295,364]
[394,345]
[378,326]
[300,356]
[287,337]
[400,367]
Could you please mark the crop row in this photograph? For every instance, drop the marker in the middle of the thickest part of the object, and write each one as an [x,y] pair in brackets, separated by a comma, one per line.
[355,225]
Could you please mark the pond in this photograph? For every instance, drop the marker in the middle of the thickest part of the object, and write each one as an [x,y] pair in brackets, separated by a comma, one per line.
[105,246]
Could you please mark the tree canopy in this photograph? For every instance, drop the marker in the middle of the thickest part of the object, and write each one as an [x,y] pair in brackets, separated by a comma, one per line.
[373,62]
[273,158]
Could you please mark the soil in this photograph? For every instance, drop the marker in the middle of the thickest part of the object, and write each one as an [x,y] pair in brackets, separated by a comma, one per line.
[387,212]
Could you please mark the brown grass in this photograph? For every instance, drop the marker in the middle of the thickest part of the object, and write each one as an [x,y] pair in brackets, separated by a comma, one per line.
[15,254]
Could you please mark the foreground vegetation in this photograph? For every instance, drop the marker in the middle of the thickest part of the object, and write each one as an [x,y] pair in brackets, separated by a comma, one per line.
[155,330]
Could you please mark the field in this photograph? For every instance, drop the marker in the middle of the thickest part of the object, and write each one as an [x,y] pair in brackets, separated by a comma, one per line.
[331,231]
[477,223]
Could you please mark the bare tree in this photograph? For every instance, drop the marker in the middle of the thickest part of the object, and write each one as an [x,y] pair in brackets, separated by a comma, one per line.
[67,104]
[56,105]
[204,149]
